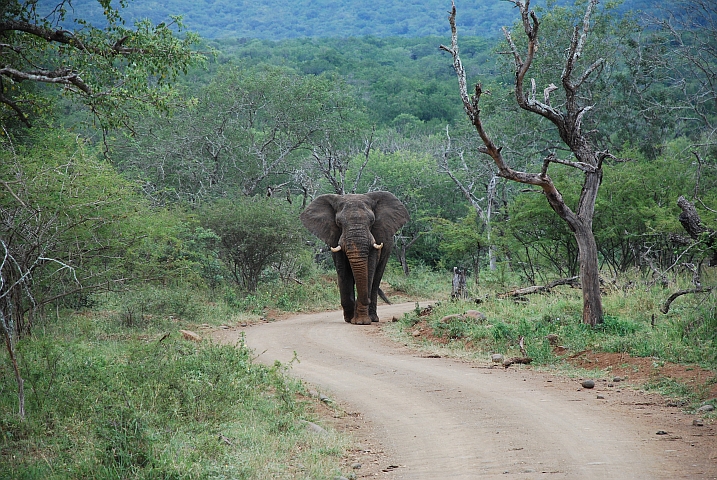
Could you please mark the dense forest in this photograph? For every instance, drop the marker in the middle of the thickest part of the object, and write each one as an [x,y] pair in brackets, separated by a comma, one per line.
[277,20]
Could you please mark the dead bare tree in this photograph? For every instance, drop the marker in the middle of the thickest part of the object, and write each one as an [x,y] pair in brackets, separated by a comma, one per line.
[703,245]
[334,163]
[568,119]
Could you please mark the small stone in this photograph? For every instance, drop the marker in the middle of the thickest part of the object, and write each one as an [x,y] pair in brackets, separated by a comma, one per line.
[706,408]
[661,432]
[600,397]
[476,315]
[324,398]
[617,379]
[496,358]
[189,335]
[356,466]
[449,318]
[312,427]
[698,422]
[588,383]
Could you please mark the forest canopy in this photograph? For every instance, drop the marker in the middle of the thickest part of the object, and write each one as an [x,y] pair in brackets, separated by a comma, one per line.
[278,20]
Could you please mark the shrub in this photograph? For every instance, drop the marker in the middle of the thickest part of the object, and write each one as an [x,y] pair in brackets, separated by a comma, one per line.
[254,232]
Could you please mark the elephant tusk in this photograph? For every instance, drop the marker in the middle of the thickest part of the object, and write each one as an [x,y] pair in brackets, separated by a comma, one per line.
[378,247]
[336,249]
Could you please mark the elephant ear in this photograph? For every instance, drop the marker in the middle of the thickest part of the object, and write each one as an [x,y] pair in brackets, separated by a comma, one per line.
[320,219]
[390,214]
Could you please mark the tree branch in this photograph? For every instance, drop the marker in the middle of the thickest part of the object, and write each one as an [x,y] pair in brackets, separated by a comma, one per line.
[666,307]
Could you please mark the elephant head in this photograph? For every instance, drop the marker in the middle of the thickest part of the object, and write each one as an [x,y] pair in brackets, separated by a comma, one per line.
[359,229]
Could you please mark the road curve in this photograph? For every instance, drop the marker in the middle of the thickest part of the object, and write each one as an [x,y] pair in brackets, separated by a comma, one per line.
[442,418]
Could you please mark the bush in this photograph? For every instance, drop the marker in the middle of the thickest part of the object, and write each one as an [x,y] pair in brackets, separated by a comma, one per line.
[255,233]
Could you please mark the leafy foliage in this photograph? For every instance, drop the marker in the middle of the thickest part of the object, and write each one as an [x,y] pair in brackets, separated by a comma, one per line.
[116,71]
[65,223]
[255,233]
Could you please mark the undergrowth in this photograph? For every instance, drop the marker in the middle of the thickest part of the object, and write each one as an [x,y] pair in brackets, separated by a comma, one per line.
[551,327]
[109,395]
[139,406]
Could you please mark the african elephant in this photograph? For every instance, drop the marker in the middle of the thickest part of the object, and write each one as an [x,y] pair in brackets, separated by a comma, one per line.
[359,229]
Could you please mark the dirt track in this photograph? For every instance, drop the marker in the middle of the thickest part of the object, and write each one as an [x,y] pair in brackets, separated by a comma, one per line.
[441,418]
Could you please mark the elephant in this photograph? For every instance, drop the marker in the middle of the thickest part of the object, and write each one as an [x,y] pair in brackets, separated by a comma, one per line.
[359,229]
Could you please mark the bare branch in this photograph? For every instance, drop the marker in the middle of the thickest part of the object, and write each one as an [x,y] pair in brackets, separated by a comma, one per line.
[546,93]
[666,307]
[366,153]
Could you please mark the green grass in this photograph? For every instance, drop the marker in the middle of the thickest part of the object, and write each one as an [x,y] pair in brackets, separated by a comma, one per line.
[126,405]
[632,324]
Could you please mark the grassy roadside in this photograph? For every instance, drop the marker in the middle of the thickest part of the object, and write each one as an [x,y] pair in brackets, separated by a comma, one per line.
[674,354]
[109,395]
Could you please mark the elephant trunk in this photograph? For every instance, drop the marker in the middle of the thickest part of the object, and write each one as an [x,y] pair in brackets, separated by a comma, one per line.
[360,269]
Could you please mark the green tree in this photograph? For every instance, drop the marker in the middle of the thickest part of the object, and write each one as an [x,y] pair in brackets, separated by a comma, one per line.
[460,242]
[65,218]
[249,130]
[114,70]
[254,234]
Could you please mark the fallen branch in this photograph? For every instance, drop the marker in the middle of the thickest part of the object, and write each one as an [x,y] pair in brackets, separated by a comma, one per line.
[523,360]
[666,307]
[539,288]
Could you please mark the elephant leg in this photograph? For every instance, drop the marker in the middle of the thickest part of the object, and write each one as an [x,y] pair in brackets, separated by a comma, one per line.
[380,268]
[346,286]
[372,306]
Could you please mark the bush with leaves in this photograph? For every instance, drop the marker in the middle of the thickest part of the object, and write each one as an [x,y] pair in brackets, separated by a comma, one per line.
[255,233]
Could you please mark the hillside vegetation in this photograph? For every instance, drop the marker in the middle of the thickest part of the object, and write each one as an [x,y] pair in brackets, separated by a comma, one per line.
[277,19]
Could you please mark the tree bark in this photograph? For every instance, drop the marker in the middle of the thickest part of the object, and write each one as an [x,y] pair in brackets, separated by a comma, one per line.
[692,223]
[589,276]
[459,289]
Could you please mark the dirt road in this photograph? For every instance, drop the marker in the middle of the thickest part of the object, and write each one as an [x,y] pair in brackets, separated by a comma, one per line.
[441,418]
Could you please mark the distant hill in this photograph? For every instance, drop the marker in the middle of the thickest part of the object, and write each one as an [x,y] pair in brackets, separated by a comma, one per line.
[282,19]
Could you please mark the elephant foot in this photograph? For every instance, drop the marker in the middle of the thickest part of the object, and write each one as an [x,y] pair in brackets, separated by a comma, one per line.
[374,317]
[361,320]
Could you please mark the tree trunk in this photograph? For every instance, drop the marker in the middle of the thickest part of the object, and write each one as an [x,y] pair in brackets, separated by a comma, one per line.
[589,276]
[7,334]
[459,289]
[402,259]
